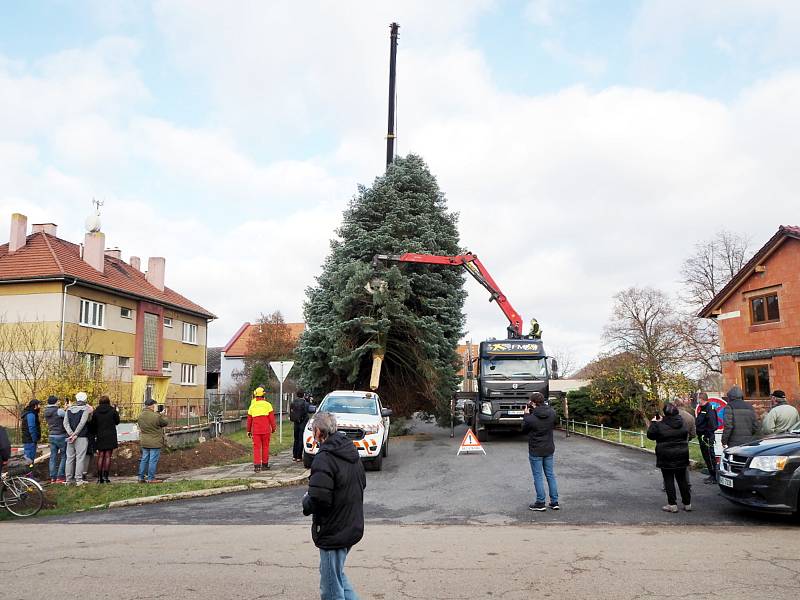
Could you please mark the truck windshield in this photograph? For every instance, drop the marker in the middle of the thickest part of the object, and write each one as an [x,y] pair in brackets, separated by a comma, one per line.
[357,405]
[514,368]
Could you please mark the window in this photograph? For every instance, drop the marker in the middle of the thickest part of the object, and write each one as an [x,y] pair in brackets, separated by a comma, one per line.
[123,362]
[167,321]
[150,342]
[166,366]
[190,333]
[188,374]
[756,381]
[92,314]
[92,362]
[764,309]
[126,313]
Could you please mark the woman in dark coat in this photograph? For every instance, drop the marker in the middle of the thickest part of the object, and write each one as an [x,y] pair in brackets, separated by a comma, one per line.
[104,423]
[672,455]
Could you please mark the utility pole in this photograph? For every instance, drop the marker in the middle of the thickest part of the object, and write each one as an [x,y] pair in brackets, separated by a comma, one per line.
[390,136]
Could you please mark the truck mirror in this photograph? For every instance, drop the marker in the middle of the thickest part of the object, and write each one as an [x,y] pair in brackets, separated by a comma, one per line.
[386,412]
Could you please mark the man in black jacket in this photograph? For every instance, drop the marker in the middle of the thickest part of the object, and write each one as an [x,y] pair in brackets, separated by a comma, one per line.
[741,422]
[707,423]
[336,499]
[539,423]
[298,414]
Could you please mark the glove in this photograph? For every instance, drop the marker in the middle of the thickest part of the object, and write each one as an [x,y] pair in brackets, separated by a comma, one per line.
[249,434]
[307,505]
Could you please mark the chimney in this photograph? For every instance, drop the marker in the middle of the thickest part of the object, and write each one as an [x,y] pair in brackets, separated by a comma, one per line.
[48,228]
[93,249]
[19,229]
[155,272]
[136,263]
[114,253]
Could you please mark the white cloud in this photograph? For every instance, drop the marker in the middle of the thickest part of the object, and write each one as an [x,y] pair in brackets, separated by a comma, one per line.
[593,66]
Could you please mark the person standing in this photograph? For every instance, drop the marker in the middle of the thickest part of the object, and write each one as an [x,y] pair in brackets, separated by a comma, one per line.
[782,417]
[57,436]
[672,455]
[335,498]
[31,429]
[76,424]
[151,440]
[740,420]
[5,448]
[707,423]
[298,414]
[538,422]
[260,426]
[104,424]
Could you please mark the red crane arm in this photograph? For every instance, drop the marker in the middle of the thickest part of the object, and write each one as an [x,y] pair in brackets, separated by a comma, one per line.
[475,268]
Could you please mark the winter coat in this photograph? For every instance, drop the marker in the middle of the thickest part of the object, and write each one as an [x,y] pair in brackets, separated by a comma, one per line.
[151,425]
[30,426]
[54,416]
[76,420]
[336,494]
[741,423]
[260,417]
[104,424]
[5,445]
[539,425]
[707,421]
[689,421]
[298,411]
[672,442]
[780,419]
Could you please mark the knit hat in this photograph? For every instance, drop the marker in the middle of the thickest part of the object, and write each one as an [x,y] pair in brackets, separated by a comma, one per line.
[735,393]
[81,397]
[779,394]
[52,400]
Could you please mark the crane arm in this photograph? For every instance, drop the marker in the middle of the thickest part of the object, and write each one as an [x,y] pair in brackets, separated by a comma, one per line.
[474,267]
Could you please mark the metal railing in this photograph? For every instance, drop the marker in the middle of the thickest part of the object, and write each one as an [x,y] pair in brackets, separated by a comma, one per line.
[619,435]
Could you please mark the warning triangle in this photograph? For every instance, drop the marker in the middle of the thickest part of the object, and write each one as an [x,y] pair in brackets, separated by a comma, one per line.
[470,444]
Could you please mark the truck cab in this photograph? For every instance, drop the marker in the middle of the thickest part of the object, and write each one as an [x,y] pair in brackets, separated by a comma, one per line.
[508,372]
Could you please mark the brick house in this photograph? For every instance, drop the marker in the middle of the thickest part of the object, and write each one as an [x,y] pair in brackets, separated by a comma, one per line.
[758,313]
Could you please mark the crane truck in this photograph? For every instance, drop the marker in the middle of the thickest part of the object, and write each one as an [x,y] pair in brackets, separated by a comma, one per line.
[509,369]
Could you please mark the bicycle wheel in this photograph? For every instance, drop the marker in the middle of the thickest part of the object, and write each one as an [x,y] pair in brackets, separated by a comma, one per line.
[22,496]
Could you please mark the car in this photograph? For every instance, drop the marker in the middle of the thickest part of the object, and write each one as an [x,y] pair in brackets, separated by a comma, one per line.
[362,418]
[763,475]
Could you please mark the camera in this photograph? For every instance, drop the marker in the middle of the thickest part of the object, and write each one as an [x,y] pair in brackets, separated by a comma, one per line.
[160,408]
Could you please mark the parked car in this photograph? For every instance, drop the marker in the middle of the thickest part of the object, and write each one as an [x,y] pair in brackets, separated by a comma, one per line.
[764,474]
[362,418]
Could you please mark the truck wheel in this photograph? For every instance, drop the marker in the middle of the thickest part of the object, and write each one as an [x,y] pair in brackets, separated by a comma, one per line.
[483,435]
[307,459]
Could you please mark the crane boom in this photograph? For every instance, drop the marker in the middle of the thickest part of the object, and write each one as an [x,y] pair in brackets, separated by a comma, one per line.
[474,267]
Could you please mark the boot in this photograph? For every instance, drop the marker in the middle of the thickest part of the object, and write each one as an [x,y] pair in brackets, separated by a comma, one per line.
[257,468]
[265,467]
[105,477]
[99,477]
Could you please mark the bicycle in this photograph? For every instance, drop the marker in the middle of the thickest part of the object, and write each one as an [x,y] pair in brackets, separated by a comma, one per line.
[20,495]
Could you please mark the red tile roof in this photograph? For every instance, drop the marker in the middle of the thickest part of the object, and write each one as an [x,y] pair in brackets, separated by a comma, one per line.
[46,257]
[240,342]
[784,231]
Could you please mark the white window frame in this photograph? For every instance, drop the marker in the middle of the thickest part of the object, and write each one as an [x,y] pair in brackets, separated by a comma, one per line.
[192,337]
[166,366]
[122,314]
[91,361]
[93,314]
[127,360]
[188,374]
[168,322]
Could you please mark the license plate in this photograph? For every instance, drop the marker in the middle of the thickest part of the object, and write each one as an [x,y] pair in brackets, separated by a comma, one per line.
[516,412]
[726,481]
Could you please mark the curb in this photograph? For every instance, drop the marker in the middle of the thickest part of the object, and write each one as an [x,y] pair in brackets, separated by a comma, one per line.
[256,485]
[692,463]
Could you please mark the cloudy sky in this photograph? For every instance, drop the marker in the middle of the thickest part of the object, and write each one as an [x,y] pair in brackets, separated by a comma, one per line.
[585,148]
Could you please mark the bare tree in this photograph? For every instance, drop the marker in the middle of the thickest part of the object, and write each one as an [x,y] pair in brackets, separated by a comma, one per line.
[566,361]
[712,265]
[645,325]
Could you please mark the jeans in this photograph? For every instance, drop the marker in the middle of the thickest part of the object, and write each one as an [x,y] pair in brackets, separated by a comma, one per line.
[542,467]
[58,456]
[297,446]
[76,457]
[29,450]
[333,583]
[679,475]
[148,463]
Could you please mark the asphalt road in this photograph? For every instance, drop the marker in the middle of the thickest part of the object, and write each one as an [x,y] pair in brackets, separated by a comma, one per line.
[424,482]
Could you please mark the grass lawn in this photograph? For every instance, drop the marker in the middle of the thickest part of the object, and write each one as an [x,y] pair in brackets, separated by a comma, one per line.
[275,446]
[62,499]
[634,439]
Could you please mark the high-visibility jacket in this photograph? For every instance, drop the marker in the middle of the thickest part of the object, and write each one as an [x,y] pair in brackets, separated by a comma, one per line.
[260,417]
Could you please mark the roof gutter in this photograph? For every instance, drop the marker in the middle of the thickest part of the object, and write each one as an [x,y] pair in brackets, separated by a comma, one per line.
[63,312]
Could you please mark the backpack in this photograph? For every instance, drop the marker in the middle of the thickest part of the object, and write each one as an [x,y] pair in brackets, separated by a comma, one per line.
[297,410]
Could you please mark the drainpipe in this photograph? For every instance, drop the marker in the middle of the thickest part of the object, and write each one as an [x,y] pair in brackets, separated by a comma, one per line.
[63,311]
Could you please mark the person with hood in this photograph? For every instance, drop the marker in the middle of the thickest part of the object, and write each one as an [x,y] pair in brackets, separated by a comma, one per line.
[298,414]
[57,436]
[5,448]
[104,424]
[740,420]
[335,498]
[672,455]
[31,429]
[151,441]
[260,426]
[707,423]
[76,424]
[539,423]
[782,417]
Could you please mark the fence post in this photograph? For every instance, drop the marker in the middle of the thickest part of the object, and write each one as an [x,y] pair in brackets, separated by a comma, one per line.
[620,435]
[602,430]
[586,427]
[641,439]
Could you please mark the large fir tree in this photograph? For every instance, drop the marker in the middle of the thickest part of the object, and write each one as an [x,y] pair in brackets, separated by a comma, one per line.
[413,311]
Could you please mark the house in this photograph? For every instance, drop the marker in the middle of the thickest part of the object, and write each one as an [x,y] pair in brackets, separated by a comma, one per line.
[147,340]
[236,351]
[468,366]
[758,313]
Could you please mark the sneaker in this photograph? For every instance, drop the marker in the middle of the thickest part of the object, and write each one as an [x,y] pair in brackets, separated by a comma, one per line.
[555,506]
[687,507]
[537,506]
[709,480]
[141,481]
[155,481]
[52,480]
[81,482]
[62,480]
[670,508]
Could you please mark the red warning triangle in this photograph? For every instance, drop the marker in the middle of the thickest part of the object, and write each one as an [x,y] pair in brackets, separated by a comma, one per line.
[470,443]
